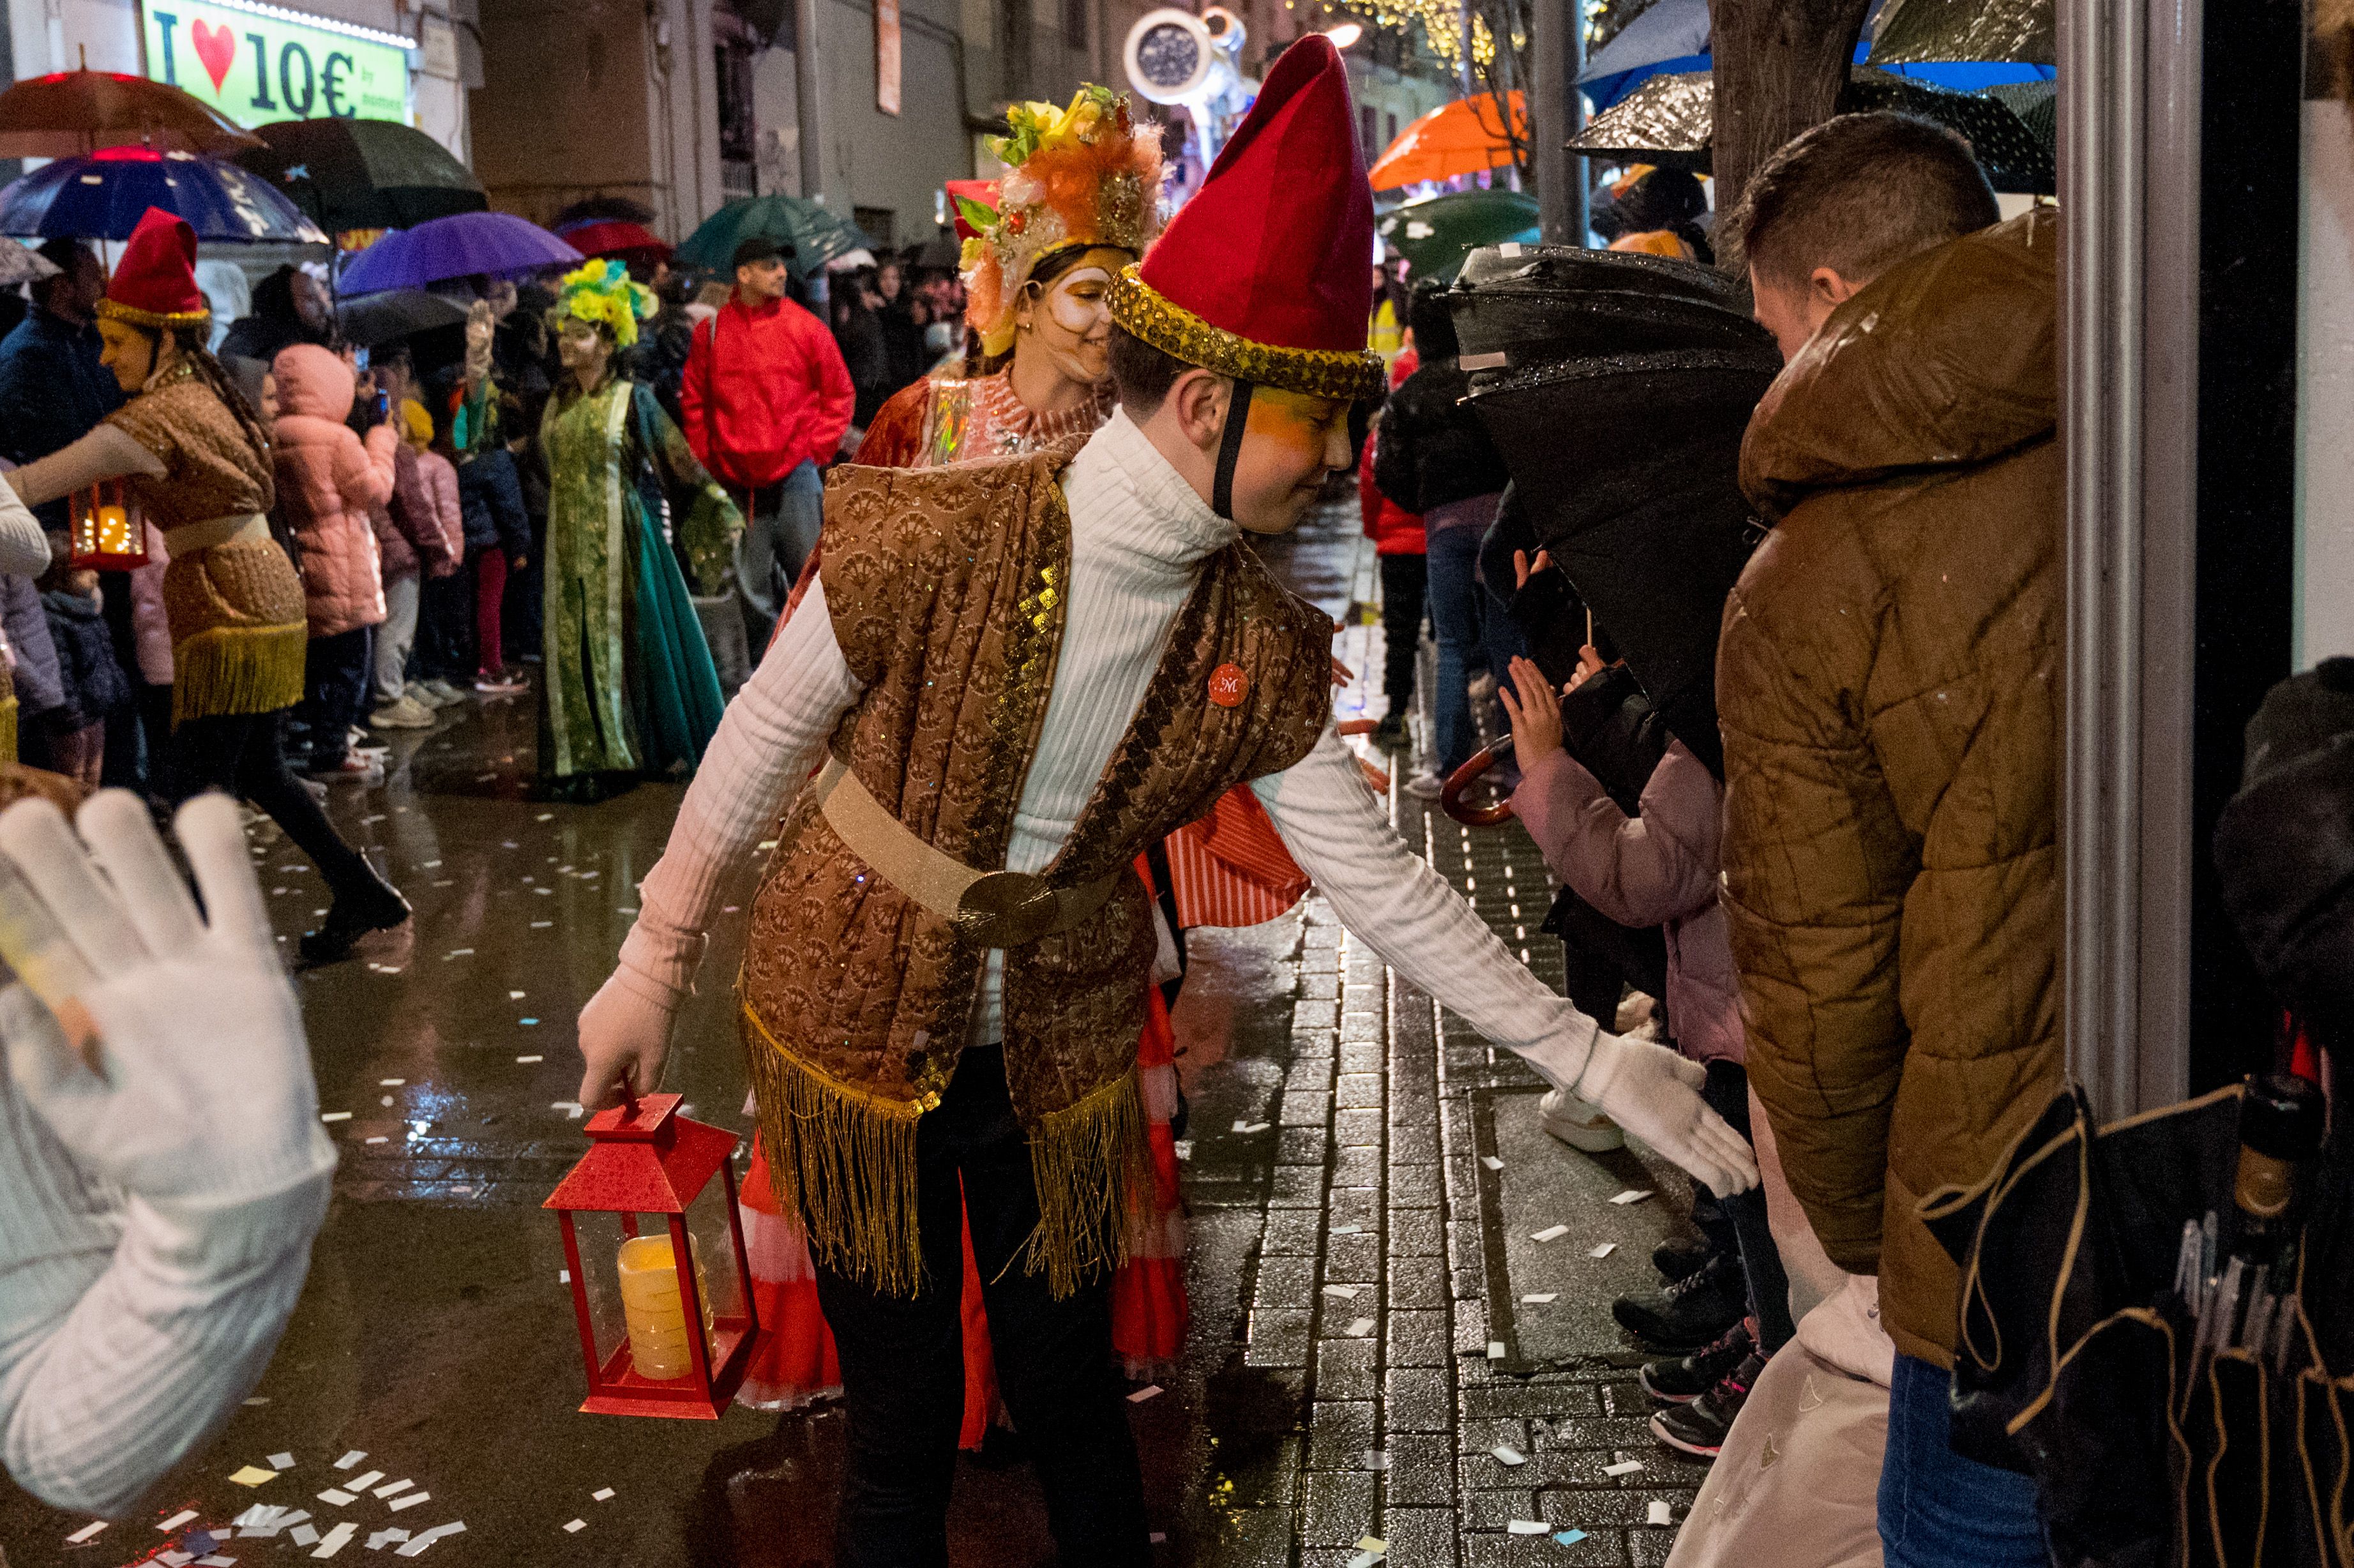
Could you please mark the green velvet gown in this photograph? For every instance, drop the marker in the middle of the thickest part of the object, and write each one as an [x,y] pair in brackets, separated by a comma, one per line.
[630,687]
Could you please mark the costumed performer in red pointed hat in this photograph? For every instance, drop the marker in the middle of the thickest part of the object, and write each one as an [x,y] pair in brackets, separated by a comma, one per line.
[1019,672]
[195,459]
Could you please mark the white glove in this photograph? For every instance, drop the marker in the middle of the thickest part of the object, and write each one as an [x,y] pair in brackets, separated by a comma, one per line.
[163,1048]
[1654,1093]
[624,1031]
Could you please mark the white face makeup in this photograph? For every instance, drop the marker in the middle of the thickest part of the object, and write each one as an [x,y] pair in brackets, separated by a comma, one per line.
[1071,321]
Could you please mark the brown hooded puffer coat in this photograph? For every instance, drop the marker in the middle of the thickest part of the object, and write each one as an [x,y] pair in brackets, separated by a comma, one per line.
[1889,690]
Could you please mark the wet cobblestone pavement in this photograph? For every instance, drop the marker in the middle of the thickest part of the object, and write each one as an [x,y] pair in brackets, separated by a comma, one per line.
[1365,1356]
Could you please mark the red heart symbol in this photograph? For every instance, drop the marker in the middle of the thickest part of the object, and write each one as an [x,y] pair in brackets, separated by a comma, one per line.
[217,46]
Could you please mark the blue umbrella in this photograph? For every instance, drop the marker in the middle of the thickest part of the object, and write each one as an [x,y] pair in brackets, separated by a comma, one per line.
[458,247]
[102,195]
[1670,37]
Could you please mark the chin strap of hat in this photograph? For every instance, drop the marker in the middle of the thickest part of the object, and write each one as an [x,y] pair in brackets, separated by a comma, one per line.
[1230,447]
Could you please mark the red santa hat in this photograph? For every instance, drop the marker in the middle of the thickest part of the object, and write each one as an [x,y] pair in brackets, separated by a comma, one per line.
[156,283]
[1266,275]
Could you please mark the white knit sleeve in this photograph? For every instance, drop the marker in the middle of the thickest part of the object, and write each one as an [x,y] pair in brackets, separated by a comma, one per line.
[1391,898]
[128,1331]
[771,738]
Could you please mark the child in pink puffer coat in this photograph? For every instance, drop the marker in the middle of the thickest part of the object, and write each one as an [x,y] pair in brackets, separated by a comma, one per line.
[328,479]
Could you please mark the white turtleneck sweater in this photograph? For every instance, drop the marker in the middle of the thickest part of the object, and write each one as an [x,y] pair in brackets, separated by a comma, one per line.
[1139,536]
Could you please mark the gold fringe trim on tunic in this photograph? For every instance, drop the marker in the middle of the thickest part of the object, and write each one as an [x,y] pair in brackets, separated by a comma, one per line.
[8,727]
[238,670]
[1088,1161]
[843,1159]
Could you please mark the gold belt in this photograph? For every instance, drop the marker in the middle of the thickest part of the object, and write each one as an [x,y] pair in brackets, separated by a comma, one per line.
[190,537]
[988,908]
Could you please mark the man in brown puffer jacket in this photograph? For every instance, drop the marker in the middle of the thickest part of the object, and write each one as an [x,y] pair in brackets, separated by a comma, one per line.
[1889,690]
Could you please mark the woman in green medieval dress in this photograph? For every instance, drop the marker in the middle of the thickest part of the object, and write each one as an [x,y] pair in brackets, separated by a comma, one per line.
[629,690]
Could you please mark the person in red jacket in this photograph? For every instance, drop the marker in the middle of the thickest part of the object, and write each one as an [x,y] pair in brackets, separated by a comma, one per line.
[766,398]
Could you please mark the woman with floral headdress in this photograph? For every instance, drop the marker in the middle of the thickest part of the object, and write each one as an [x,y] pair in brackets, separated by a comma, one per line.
[629,690]
[1078,201]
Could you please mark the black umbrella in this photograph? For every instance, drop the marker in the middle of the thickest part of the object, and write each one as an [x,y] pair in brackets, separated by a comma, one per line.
[368,320]
[1671,118]
[363,174]
[1619,407]
[1913,31]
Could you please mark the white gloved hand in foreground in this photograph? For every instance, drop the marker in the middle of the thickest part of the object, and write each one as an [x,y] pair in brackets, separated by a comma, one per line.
[624,1033]
[162,1047]
[1654,1093]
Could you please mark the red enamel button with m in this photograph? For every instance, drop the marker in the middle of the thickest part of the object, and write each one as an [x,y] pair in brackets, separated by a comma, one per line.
[1229,685]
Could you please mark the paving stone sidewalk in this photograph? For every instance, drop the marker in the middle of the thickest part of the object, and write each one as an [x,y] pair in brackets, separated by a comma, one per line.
[1381,1348]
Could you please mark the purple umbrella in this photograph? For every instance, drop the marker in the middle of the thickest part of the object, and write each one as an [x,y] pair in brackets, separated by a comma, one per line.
[458,247]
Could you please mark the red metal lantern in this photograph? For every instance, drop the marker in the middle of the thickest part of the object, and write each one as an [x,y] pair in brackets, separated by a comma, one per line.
[645,1159]
[108,531]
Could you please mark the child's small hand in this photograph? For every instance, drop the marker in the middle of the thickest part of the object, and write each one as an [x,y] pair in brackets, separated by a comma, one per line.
[1536,715]
[1589,664]
[1523,569]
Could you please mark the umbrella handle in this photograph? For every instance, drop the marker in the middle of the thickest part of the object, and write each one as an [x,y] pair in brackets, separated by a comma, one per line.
[1450,799]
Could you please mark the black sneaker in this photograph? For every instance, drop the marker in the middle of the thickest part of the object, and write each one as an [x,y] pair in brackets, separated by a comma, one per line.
[1681,1259]
[1390,734]
[1690,1313]
[1699,1428]
[1680,1380]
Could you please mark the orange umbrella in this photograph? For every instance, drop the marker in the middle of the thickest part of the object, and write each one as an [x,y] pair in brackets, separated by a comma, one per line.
[1459,138]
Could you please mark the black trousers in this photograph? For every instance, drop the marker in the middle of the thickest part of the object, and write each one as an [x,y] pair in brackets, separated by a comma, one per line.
[1405,582]
[903,1358]
[1727,1094]
[445,627]
[334,693]
[241,755]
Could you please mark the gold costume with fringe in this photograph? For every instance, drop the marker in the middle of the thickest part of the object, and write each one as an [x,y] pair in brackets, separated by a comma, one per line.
[239,633]
[946,589]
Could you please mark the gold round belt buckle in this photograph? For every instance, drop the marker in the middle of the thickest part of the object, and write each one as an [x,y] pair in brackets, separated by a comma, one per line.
[1006,909]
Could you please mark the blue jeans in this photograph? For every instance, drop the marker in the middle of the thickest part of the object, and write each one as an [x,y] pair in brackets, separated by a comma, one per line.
[1470,623]
[781,528]
[1938,1510]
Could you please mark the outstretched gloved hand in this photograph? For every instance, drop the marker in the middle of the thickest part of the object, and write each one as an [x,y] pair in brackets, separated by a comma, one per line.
[163,1046]
[1654,1093]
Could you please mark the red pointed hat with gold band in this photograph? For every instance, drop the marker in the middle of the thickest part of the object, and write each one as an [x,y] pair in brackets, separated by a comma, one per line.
[156,283]
[1266,275]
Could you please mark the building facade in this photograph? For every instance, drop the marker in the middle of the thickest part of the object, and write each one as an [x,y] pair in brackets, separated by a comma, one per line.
[293,61]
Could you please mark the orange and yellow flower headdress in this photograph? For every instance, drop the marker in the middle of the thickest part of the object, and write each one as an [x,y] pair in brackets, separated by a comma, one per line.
[1081,176]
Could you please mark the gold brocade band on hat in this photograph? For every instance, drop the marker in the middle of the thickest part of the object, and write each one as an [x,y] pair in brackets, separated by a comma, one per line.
[1141,311]
[116,310]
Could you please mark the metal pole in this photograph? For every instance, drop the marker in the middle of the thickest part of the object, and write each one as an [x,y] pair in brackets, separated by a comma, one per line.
[808,121]
[2129,151]
[1574,106]
[1463,16]
[1547,93]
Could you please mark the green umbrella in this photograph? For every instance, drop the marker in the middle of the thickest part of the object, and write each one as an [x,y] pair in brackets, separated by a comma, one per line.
[1433,236]
[816,234]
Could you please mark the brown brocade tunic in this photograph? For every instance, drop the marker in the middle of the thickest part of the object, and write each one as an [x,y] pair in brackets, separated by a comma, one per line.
[235,610]
[945,590]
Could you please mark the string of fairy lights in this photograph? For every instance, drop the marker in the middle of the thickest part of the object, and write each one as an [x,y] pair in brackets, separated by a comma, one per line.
[1438,24]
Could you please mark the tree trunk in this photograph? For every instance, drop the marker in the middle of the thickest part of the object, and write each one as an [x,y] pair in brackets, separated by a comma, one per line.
[1779,66]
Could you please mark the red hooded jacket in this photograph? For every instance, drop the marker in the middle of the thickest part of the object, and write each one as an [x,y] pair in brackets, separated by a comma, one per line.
[764,389]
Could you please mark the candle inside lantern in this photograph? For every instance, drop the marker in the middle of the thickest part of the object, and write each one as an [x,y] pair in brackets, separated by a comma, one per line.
[653,1308]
